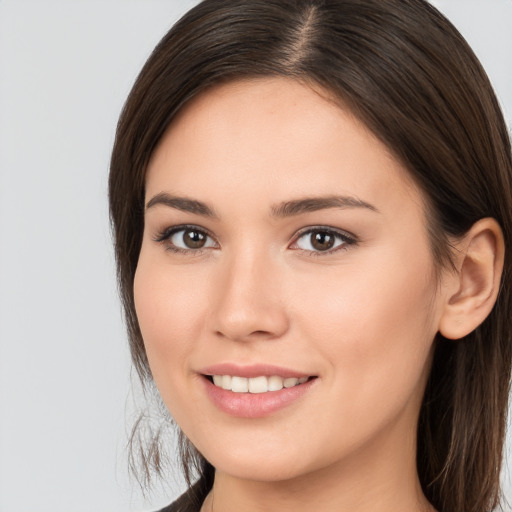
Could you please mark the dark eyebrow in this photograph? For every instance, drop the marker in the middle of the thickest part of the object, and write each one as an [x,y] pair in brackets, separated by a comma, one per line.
[312,204]
[181,203]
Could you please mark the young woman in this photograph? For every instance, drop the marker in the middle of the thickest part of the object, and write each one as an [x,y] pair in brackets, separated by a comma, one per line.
[312,211]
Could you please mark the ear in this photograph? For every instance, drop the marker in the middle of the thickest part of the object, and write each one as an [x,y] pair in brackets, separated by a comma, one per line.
[473,288]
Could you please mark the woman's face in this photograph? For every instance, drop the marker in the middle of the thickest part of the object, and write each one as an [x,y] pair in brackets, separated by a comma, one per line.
[283,241]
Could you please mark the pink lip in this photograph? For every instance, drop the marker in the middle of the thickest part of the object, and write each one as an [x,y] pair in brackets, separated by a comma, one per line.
[253,405]
[254,370]
[250,405]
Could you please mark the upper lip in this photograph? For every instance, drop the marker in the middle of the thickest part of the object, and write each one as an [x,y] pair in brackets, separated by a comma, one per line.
[253,370]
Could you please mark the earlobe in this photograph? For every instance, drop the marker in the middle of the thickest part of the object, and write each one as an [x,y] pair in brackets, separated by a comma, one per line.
[475,285]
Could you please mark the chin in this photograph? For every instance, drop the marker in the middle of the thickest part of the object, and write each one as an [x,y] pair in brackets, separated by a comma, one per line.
[259,470]
[276,460]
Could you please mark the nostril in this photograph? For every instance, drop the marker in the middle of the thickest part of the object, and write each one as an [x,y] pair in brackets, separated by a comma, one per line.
[231,333]
[261,333]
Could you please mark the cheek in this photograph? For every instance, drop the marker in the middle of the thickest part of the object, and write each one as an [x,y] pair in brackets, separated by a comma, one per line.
[168,306]
[375,328]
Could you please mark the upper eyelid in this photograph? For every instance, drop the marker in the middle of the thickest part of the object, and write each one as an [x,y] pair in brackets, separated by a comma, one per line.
[330,229]
[171,230]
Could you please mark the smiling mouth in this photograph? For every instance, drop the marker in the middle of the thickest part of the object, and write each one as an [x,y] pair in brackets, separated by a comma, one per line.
[261,384]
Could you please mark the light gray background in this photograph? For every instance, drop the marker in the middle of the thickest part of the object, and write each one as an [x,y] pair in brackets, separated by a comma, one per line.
[65,69]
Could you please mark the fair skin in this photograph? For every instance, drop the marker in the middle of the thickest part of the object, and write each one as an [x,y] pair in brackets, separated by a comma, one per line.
[341,291]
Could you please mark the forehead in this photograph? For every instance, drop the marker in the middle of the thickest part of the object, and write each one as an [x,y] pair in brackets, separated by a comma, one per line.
[274,137]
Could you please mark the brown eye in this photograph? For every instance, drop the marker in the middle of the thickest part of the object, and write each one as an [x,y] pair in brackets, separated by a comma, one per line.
[322,240]
[189,239]
[194,239]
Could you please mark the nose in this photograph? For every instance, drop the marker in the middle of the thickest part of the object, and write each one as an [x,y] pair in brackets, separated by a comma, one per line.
[248,303]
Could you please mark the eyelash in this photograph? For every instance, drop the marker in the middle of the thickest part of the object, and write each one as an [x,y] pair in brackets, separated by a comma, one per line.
[347,239]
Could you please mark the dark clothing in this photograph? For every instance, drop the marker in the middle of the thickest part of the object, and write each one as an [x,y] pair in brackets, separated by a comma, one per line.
[180,506]
[187,502]
[192,499]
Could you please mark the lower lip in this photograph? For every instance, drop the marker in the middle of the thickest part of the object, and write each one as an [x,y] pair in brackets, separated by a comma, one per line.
[255,405]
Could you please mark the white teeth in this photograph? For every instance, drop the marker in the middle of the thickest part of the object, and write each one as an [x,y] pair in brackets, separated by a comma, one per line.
[289,383]
[275,383]
[256,384]
[226,382]
[239,384]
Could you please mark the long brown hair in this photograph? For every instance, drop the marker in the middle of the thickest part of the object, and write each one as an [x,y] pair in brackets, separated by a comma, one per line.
[408,74]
